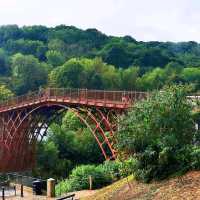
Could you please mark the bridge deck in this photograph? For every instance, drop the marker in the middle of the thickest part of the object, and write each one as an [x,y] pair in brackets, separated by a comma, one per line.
[97,98]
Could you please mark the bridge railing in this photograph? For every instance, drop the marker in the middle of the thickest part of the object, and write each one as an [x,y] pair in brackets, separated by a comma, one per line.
[85,94]
[124,97]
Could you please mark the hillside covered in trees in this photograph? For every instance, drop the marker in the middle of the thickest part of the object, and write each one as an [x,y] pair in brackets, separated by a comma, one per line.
[65,56]
[34,57]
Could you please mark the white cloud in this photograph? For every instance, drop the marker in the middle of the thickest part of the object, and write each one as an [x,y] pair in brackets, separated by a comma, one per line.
[174,20]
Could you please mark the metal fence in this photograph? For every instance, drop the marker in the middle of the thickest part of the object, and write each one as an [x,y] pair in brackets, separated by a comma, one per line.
[5,188]
[7,191]
[126,97]
[25,180]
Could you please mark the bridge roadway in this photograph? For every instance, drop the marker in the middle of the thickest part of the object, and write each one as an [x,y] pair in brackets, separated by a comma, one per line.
[97,98]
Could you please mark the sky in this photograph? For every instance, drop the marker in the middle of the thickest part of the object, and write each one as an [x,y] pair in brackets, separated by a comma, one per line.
[144,20]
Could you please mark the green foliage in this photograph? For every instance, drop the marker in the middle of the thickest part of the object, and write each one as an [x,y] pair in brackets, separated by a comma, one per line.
[191,75]
[120,169]
[195,157]
[86,73]
[28,73]
[129,78]
[26,47]
[55,58]
[152,57]
[102,175]
[68,144]
[152,80]
[49,163]
[5,93]
[158,132]
[65,56]
[70,75]
[71,122]
[118,56]
[79,179]
[4,63]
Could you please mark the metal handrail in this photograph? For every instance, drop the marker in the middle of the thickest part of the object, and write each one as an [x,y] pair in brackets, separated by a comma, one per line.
[124,97]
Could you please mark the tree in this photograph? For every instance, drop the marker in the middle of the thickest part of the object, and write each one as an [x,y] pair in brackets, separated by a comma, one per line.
[95,37]
[71,122]
[28,73]
[27,47]
[67,144]
[157,132]
[191,75]
[172,73]
[154,79]
[70,75]
[153,57]
[129,78]
[49,163]
[55,58]
[117,55]
[4,63]
[10,32]
[56,45]
[111,77]
[35,33]
[5,93]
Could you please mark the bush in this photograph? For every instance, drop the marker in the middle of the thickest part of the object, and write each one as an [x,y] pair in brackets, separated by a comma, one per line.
[81,174]
[159,133]
[111,169]
[195,158]
[102,175]
[127,167]
[79,179]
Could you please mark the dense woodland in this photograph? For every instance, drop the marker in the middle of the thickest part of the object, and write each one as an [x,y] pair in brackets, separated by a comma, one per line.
[33,57]
[65,56]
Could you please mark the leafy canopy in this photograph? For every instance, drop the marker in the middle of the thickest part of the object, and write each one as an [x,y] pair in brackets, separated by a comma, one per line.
[158,131]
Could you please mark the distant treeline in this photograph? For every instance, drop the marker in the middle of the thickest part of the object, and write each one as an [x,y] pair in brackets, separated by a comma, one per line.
[65,56]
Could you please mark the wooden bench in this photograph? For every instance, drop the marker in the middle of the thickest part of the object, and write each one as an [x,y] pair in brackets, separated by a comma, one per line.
[68,197]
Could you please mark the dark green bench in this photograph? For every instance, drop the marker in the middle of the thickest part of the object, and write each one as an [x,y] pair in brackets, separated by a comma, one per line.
[68,197]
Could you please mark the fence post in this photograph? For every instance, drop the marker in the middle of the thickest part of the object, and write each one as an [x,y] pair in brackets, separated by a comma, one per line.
[86,95]
[15,190]
[22,190]
[51,187]
[90,182]
[3,193]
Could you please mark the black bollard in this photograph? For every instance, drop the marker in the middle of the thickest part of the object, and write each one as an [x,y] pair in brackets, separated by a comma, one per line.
[15,190]
[22,190]
[3,193]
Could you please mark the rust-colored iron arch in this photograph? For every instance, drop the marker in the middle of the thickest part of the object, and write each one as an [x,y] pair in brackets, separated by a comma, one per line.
[19,148]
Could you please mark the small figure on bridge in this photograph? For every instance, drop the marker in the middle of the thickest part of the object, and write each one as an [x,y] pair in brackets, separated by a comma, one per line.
[40,92]
[125,99]
[43,93]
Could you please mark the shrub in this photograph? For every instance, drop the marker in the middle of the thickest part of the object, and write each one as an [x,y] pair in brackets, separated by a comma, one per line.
[111,169]
[102,175]
[79,179]
[158,133]
[64,186]
[195,158]
[81,173]
[127,167]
